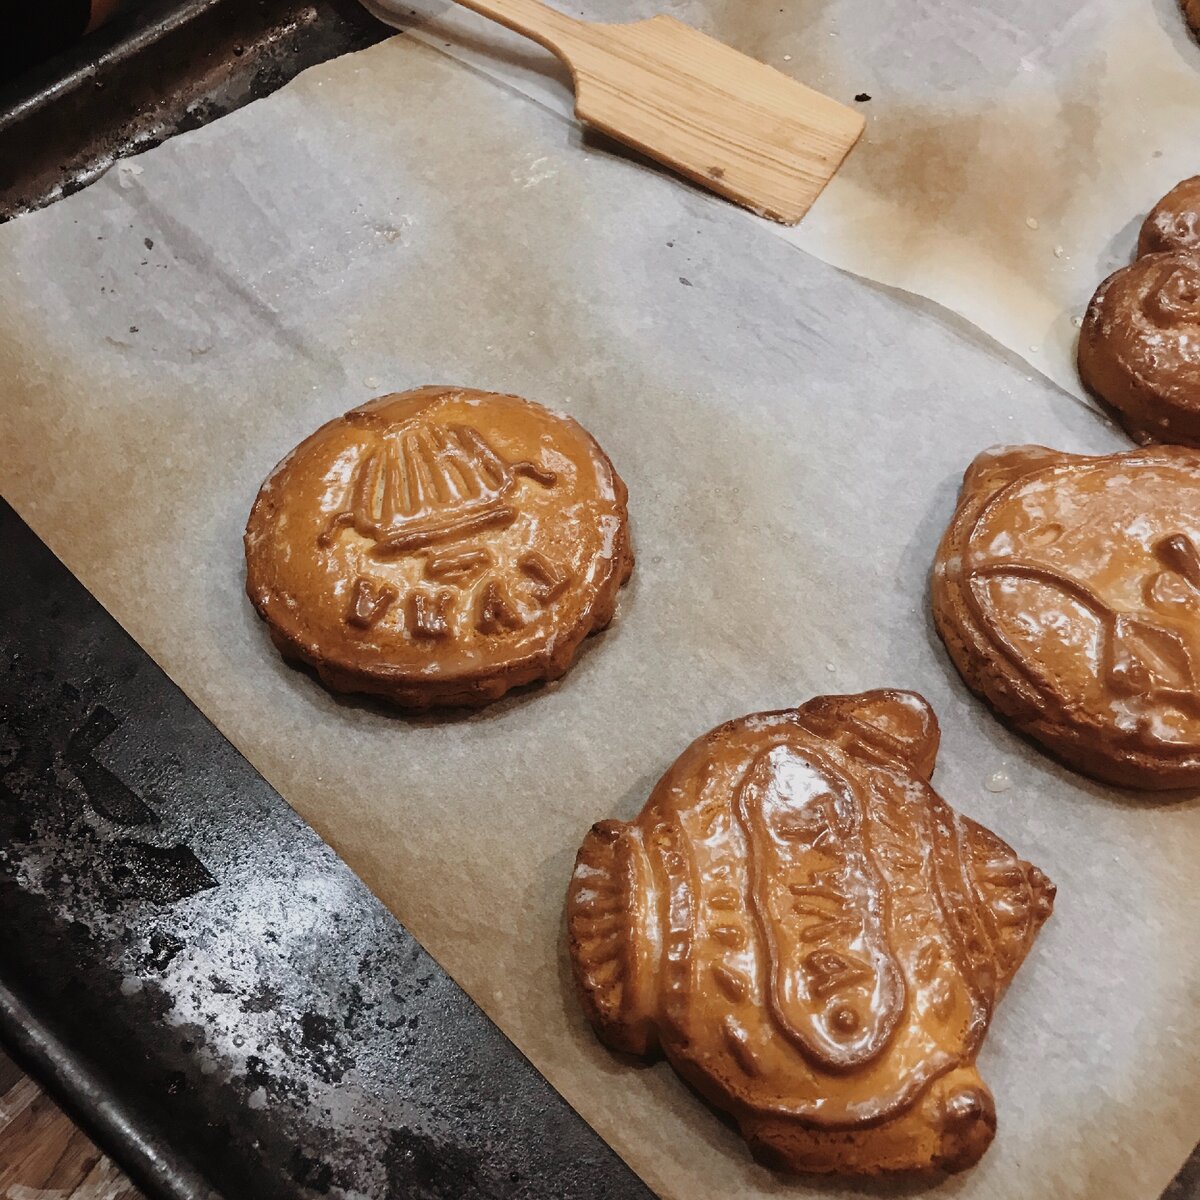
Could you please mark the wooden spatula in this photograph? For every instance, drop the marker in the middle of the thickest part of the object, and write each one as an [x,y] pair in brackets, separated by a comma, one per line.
[727,121]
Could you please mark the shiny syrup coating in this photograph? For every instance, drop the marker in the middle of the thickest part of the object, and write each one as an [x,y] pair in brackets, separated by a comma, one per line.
[1067,591]
[1139,348]
[439,546]
[1174,222]
[811,936]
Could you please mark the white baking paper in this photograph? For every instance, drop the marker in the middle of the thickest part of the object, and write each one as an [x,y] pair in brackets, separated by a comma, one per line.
[1011,149]
[792,439]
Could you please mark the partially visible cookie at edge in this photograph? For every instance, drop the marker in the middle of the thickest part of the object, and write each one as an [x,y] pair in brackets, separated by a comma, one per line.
[439,547]
[812,937]
[1191,14]
[1174,222]
[1139,347]
[1067,592]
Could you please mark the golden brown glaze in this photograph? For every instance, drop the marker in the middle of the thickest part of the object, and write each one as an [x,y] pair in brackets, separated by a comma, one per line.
[439,546]
[812,937]
[1174,222]
[1067,592]
[1191,14]
[1139,348]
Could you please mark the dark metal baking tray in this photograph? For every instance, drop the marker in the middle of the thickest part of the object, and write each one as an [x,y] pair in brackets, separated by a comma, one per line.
[192,972]
[161,68]
[206,986]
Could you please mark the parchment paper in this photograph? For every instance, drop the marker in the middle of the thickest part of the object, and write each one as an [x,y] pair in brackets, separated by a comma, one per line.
[1011,149]
[792,439]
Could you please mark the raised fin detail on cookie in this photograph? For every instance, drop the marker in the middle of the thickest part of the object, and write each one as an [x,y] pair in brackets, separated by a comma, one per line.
[603,904]
[885,725]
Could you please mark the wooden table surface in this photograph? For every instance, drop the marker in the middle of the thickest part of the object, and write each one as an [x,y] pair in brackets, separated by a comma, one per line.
[43,1156]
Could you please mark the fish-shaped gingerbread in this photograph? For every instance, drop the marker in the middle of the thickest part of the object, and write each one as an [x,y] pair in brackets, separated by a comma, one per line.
[814,939]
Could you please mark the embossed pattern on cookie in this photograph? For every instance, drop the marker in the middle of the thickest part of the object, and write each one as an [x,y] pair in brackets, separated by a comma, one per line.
[1174,222]
[811,935]
[1067,592]
[439,546]
[1139,348]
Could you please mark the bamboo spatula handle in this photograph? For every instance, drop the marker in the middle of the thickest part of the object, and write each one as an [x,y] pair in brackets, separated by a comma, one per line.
[734,125]
[545,25]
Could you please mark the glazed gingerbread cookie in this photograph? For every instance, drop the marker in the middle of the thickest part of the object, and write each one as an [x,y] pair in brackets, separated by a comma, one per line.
[439,547]
[1139,348]
[1174,222]
[811,935]
[1067,592]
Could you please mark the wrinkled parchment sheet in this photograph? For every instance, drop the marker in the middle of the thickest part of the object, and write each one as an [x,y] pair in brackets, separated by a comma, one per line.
[792,438]
[1011,149]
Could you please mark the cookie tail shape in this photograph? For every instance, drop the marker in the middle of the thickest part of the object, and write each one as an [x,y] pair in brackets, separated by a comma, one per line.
[948,1129]
[965,1121]
[610,924]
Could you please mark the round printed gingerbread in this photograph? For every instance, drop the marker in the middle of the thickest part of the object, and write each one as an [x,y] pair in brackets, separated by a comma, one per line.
[439,547]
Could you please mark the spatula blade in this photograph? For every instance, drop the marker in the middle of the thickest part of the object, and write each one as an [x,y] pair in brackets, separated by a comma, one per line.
[717,116]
